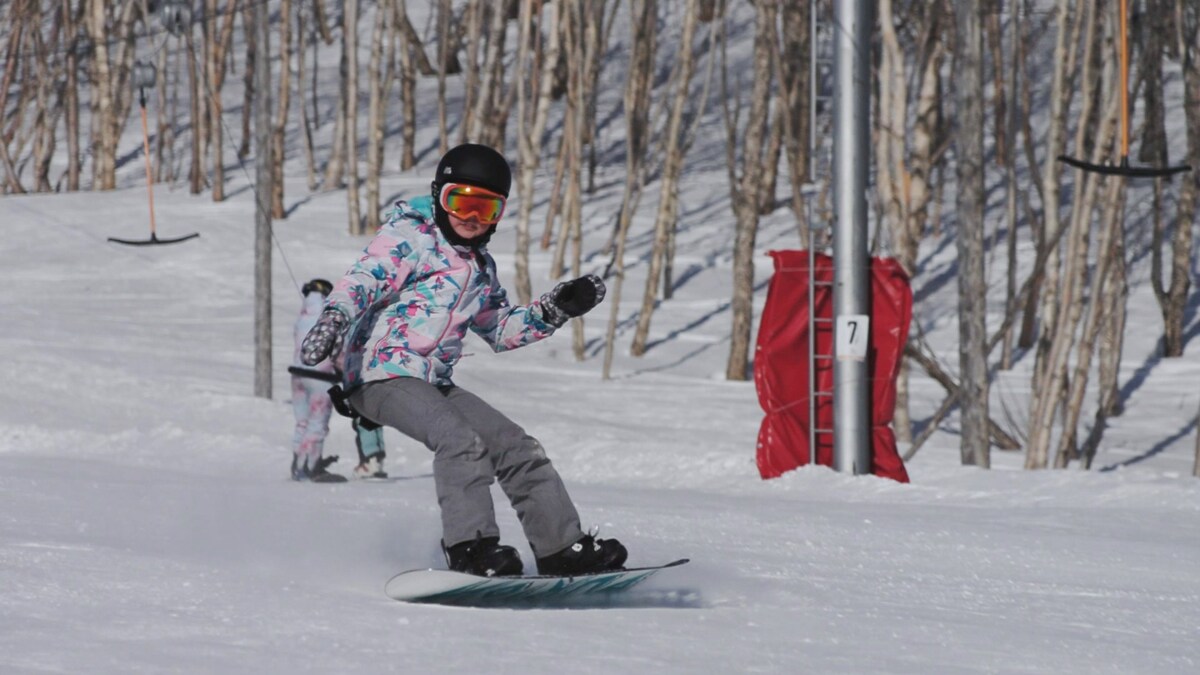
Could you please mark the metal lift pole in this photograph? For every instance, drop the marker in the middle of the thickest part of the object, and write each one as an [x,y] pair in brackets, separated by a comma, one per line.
[851,301]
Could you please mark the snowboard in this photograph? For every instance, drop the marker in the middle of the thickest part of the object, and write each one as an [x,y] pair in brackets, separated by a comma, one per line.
[459,588]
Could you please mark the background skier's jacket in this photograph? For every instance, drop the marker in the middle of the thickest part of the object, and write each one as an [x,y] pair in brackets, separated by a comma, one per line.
[412,297]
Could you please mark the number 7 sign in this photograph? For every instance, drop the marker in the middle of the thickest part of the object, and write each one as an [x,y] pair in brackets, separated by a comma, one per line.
[851,335]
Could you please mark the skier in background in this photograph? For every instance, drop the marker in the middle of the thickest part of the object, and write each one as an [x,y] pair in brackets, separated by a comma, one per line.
[312,406]
[402,312]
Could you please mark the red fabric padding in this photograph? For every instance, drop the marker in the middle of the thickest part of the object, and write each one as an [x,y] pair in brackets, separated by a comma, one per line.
[781,363]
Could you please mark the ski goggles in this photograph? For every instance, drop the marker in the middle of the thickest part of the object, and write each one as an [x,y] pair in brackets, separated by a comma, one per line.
[466,201]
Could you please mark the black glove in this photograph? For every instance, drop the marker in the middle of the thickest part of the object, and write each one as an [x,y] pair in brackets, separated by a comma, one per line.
[325,338]
[571,299]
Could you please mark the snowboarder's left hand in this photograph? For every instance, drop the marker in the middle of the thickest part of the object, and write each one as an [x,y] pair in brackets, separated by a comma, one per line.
[572,298]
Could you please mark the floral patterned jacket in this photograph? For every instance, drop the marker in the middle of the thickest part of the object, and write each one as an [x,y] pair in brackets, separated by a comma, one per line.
[412,297]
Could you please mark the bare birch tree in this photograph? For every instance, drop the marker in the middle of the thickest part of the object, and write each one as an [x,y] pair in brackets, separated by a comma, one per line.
[110,77]
[1173,296]
[306,37]
[583,46]
[533,108]
[71,22]
[412,59]
[795,84]
[1012,189]
[490,115]
[335,166]
[446,51]
[220,38]
[744,188]
[12,182]
[48,71]
[676,145]
[165,159]
[282,108]
[905,160]
[1047,229]
[350,58]
[377,110]
[972,278]
[1061,335]
[638,90]
[472,31]
[196,113]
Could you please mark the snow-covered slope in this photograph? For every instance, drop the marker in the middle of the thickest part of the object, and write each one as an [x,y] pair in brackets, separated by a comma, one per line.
[148,524]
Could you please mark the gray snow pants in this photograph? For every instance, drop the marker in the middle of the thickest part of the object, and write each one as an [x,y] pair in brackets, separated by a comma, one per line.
[473,442]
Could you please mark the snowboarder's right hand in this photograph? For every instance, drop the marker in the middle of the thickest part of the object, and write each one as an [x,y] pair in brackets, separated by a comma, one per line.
[325,338]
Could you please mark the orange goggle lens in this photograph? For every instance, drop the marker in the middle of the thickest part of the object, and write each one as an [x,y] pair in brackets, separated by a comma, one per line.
[465,201]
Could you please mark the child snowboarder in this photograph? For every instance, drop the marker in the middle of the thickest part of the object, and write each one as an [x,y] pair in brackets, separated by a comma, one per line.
[402,312]
[312,406]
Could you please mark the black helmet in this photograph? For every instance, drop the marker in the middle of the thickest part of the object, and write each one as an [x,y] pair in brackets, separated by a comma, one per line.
[473,164]
[319,285]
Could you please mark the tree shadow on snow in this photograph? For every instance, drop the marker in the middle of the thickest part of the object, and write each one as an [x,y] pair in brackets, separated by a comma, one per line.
[1143,372]
[1185,430]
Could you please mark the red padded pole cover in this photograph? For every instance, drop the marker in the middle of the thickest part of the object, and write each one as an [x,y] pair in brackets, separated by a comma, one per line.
[781,363]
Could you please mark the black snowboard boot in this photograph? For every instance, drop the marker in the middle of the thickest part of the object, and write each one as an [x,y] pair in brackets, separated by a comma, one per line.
[485,557]
[317,474]
[589,555]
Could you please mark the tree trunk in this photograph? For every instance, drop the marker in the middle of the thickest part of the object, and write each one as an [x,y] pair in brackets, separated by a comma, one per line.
[412,56]
[1173,299]
[474,18]
[531,118]
[556,186]
[1060,98]
[248,34]
[1093,323]
[676,148]
[409,36]
[263,176]
[282,109]
[972,277]
[195,170]
[1011,188]
[638,89]
[795,84]
[1111,342]
[104,144]
[1050,376]
[46,120]
[71,20]
[168,113]
[376,113]
[306,122]
[444,19]
[768,184]
[350,55]
[596,36]
[744,189]
[12,59]
[218,51]
[490,115]
[322,23]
